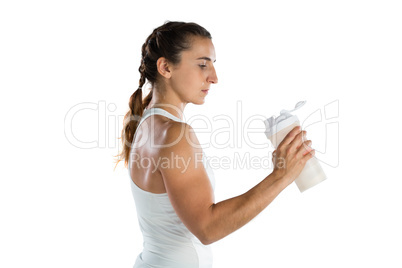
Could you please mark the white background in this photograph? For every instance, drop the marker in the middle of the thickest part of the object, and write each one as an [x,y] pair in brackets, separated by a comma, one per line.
[62,205]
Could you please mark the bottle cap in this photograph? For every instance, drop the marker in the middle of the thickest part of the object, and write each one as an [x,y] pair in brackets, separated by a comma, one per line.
[276,124]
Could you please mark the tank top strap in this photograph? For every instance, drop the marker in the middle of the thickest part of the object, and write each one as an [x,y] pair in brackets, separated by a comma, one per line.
[159,111]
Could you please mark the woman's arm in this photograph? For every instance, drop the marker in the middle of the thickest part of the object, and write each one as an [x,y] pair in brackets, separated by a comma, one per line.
[229,215]
[190,192]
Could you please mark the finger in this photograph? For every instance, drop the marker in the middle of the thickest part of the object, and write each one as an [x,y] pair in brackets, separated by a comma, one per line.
[309,155]
[305,148]
[297,141]
[291,135]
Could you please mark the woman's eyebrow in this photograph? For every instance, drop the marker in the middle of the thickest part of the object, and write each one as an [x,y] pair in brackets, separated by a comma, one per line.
[205,58]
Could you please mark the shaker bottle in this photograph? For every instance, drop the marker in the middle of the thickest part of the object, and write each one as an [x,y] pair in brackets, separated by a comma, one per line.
[277,129]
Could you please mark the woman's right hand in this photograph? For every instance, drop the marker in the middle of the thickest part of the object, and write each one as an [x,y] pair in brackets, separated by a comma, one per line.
[291,155]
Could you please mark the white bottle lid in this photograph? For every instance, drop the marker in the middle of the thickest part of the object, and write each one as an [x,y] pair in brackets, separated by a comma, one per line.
[276,124]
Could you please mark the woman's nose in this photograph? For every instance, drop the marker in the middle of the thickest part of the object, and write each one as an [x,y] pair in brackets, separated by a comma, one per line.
[213,78]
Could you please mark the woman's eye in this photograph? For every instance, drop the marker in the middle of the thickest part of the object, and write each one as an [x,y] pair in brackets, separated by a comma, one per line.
[202,66]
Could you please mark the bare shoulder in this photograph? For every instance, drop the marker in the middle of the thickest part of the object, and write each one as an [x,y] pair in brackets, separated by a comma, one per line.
[179,136]
[180,145]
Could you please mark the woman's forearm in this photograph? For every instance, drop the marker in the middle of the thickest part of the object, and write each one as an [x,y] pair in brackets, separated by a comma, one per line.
[229,215]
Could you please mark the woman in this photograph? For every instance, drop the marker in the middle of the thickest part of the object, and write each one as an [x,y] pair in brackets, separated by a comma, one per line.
[173,192]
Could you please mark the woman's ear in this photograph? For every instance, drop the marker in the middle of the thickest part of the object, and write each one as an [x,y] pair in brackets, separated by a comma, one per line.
[163,67]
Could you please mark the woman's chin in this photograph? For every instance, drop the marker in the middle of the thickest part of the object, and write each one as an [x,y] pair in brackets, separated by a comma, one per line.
[199,102]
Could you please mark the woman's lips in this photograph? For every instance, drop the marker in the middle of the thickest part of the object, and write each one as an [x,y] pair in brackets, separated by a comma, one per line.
[205,91]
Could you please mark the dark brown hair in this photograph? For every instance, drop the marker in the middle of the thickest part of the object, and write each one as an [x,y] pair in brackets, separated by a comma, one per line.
[169,41]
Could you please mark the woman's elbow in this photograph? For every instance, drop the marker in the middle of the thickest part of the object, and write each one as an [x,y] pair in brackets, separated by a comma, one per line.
[207,231]
[205,240]
[207,237]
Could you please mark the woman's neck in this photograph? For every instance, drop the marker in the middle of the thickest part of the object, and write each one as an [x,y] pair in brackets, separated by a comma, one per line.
[175,108]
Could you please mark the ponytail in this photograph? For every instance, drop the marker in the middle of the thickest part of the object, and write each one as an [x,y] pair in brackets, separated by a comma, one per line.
[132,119]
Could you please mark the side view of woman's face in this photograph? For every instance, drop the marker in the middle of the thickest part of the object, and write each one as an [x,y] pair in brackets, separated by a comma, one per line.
[195,72]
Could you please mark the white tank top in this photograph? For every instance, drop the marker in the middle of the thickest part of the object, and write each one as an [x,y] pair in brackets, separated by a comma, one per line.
[167,241]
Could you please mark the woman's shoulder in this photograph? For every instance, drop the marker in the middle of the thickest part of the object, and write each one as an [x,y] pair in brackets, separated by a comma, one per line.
[178,131]
[180,136]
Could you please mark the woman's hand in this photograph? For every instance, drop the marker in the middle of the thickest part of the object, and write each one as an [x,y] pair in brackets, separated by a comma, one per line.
[291,155]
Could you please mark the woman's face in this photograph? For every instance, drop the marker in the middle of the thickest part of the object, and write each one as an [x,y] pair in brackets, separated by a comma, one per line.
[192,77]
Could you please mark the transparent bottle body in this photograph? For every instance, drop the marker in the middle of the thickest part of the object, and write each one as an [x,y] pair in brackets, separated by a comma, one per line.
[312,174]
